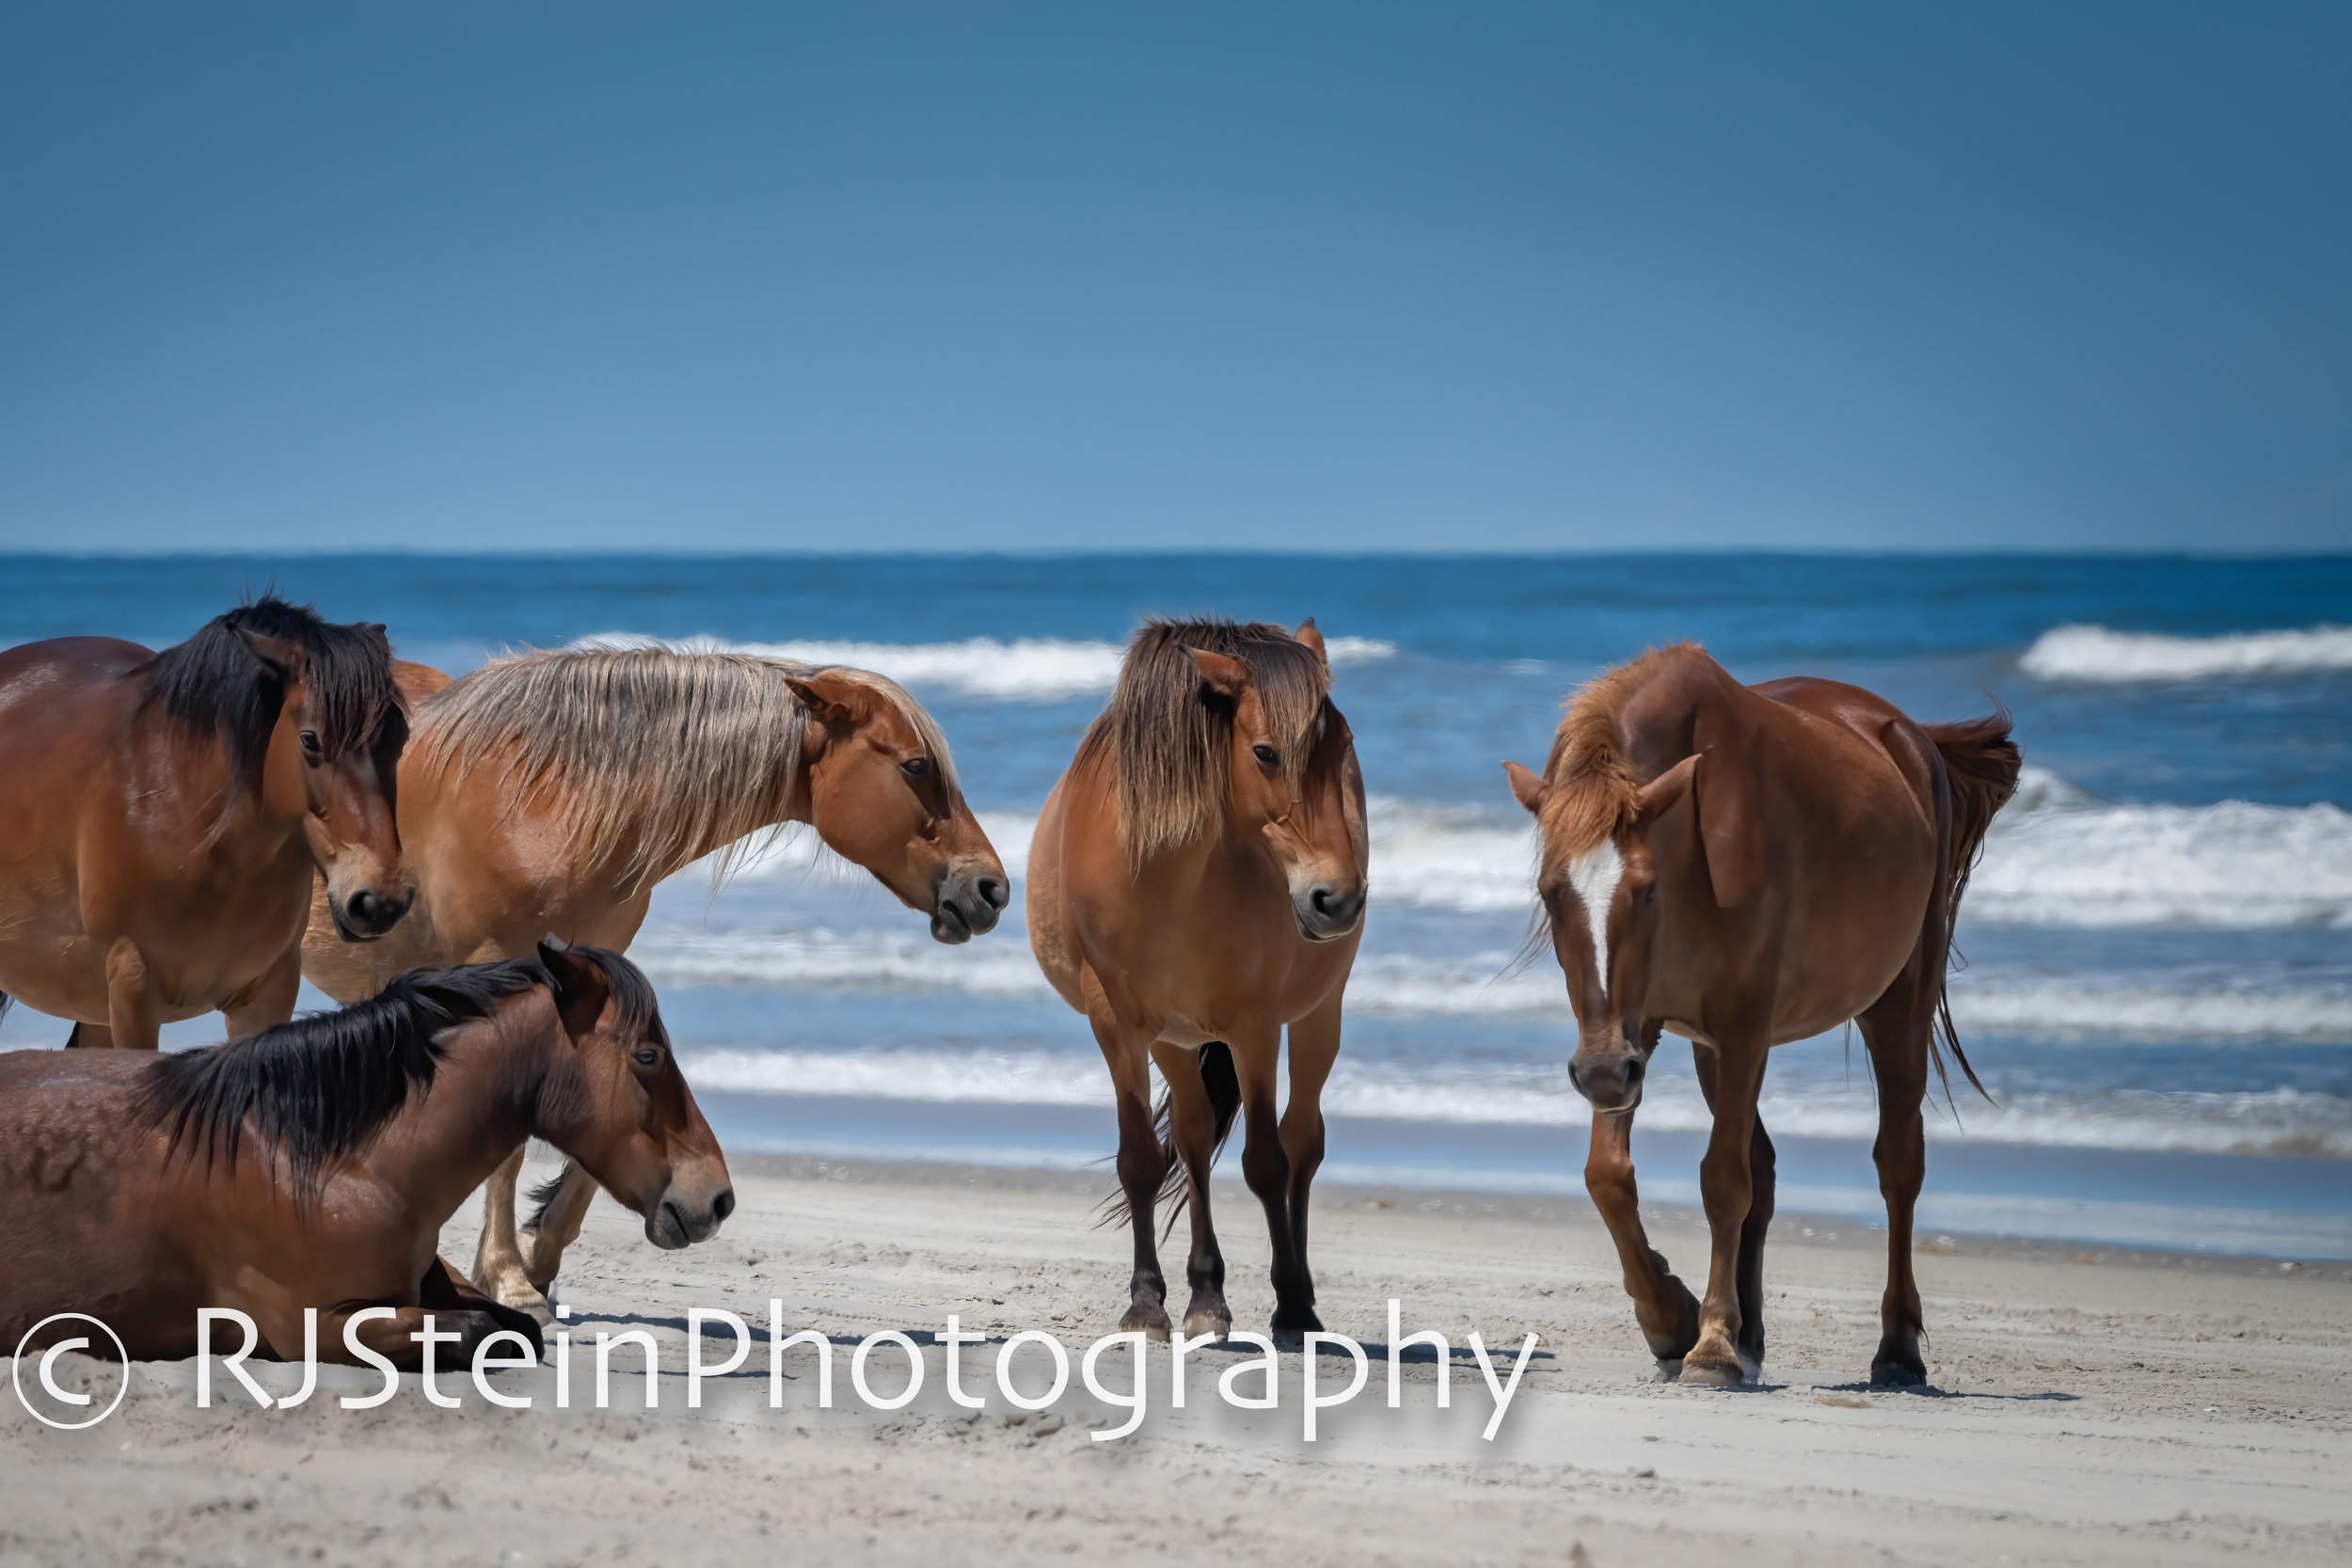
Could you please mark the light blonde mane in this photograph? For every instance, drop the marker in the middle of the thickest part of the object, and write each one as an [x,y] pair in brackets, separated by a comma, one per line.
[647,758]
[1594,794]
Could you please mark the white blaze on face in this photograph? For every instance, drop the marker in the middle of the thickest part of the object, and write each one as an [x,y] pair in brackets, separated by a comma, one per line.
[1594,875]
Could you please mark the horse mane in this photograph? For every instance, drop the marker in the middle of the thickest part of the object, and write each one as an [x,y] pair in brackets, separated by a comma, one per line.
[216,684]
[652,756]
[322,1086]
[1167,738]
[1594,793]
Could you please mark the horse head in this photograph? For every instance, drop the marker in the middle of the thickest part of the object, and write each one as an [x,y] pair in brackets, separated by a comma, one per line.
[333,761]
[627,1117]
[1606,899]
[882,794]
[1298,798]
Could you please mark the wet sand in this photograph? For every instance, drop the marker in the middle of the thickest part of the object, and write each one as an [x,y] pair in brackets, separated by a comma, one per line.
[2090,1405]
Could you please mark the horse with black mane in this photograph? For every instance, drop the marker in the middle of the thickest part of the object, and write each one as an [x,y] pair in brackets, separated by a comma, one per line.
[1745,866]
[313,1164]
[162,815]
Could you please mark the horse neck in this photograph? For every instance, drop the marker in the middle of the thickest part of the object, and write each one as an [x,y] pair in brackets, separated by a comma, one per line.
[229,821]
[795,806]
[483,1104]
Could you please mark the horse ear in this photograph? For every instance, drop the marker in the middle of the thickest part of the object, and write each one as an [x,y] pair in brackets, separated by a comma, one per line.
[284,658]
[1527,786]
[832,696]
[1309,634]
[1226,678]
[1659,796]
[579,987]
[1731,821]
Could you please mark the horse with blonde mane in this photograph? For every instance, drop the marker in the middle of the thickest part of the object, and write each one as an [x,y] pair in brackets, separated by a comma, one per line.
[552,790]
[1197,883]
[1745,866]
[163,815]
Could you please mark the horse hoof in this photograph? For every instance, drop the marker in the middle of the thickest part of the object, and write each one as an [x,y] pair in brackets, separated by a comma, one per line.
[1293,1322]
[1712,1374]
[1150,1321]
[1894,1374]
[1216,1322]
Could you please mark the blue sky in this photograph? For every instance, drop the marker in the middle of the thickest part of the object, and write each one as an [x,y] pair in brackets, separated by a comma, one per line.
[990,276]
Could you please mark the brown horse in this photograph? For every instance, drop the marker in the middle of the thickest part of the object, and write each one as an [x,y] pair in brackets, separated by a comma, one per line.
[1197,882]
[1745,866]
[313,1165]
[551,791]
[161,816]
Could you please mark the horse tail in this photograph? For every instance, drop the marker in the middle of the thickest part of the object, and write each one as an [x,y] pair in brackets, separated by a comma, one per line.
[4,1004]
[1223,1084]
[1981,765]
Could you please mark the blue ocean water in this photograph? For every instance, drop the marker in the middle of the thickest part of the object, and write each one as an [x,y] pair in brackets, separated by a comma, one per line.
[2160,985]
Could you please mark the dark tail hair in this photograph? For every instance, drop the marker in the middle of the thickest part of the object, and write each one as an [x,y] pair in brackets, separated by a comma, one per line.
[1980,762]
[1224,1085]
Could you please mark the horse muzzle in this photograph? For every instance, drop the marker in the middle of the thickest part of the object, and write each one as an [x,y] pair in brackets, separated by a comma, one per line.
[680,1219]
[969,905]
[1611,1079]
[367,914]
[1326,913]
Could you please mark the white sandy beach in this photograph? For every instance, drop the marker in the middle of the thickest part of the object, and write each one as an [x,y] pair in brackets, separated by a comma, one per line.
[2093,1408]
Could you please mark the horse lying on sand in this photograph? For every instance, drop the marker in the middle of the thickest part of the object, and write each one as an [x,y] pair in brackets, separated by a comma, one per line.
[1197,882]
[550,792]
[315,1164]
[1746,866]
[162,814]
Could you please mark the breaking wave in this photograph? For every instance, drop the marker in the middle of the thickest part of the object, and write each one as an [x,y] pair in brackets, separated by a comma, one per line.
[2083,653]
[1027,670]
[2283,1121]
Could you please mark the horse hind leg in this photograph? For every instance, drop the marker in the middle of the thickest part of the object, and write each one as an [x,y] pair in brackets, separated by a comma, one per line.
[1895,1030]
[1761,1178]
[1142,1170]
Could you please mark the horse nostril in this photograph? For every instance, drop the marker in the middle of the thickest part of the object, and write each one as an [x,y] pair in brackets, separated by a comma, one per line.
[1576,1078]
[1322,900]
[365,906]
[995,892]
[1633,1073]
[723,1205]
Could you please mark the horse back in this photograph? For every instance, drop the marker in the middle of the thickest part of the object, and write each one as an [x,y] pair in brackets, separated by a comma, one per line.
[81,1223]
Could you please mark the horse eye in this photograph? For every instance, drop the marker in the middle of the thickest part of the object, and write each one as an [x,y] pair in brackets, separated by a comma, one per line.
[1649,896]
[914,767]
[648,1055]
[311,743]
[1266,755]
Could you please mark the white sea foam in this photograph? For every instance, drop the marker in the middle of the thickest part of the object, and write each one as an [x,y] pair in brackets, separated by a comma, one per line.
[1027,670]
[2084,653]
[2056,856]
[2282,1122]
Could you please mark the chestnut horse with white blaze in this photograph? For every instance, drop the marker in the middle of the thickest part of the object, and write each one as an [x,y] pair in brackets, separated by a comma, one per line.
[551,791]
[1747,865]
[162,816]
[1196,884]
[313,1165]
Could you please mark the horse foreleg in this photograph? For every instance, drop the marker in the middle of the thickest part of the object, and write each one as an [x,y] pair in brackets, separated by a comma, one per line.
[134,1020]
[556,1226]
[394,1337]
[498,1259]
[1142,1167]
[1315,1042]
[1895,1031]
[269,1001]
[1727,1187]
[1761,1183]
[1662,1304]
[1266,1165]
[1194,1111]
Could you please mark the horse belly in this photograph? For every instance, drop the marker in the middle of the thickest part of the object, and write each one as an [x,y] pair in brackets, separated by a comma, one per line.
[1858,919]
